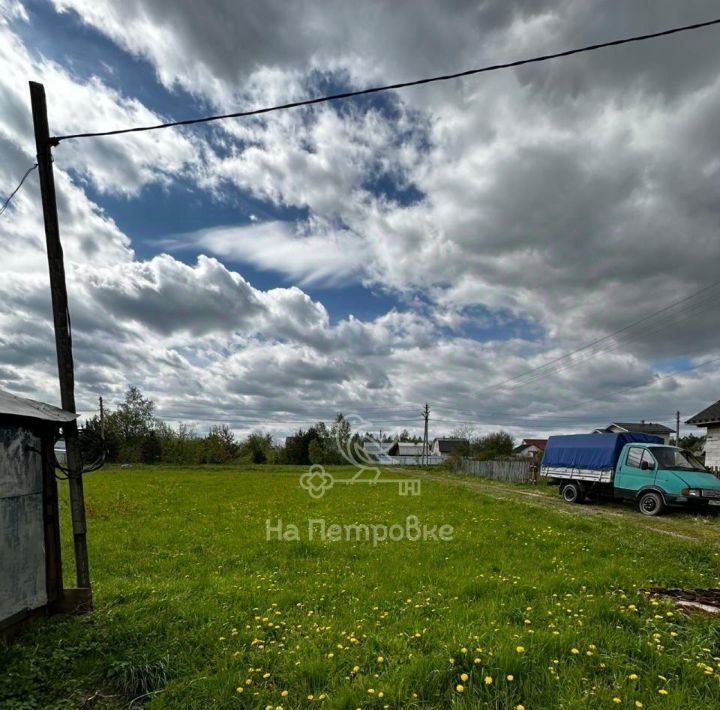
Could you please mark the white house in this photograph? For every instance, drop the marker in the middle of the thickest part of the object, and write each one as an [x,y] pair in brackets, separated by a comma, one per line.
[531,448]
[710,419]
[449,445]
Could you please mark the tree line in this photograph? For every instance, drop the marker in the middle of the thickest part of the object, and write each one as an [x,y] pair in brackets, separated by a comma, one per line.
[133,433]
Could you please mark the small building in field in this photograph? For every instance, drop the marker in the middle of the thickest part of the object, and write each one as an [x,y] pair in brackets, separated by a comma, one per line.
[641,427]
[405,448]
[530,448]
[709,418]
[30,567]
[448,446]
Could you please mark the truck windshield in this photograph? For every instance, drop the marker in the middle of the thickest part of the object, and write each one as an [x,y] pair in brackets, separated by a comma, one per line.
[671,458]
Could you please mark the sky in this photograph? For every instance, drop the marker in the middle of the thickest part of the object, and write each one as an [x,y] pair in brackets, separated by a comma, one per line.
[448,244]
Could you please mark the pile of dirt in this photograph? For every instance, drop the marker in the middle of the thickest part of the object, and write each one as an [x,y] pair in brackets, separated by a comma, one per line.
[704,600]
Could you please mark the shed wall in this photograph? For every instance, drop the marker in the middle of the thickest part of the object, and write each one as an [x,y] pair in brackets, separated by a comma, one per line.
[23,584]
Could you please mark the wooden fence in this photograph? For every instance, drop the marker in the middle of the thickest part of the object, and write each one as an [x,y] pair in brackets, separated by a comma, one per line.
[514,470]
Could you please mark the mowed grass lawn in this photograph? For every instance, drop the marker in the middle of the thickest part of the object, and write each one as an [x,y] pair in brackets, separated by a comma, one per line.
[526,606]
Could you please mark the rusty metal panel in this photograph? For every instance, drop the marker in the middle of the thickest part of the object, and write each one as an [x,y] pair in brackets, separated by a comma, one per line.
[22,533]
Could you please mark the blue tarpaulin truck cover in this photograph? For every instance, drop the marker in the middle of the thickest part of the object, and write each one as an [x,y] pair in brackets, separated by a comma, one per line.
[596,452]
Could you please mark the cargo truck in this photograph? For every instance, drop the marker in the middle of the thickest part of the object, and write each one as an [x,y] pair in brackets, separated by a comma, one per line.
[633,467]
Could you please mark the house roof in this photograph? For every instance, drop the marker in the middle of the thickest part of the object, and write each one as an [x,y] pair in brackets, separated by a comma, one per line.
[405,448]
[710,415]
[12,405]
[540,443]
[642,427]
[446,445]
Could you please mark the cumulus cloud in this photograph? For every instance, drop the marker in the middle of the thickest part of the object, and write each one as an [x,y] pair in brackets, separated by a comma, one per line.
[576,196]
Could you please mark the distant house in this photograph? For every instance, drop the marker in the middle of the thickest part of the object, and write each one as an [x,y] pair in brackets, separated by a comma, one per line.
[448,446]
[405,448]
[710,419]
[641,427]
[531,448]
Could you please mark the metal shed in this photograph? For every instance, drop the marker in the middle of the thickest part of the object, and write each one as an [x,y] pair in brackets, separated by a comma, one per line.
[30,561]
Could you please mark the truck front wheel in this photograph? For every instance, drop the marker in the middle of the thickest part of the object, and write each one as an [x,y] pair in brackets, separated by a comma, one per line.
[572,493]
[651,503]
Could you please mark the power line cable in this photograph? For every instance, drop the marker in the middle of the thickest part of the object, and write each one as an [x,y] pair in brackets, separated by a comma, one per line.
[55,140]
[602,339]
[14,192]
[673,318]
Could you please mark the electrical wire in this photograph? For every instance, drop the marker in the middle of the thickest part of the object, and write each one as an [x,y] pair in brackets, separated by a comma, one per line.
[15,191]
[55,140]
[543,369]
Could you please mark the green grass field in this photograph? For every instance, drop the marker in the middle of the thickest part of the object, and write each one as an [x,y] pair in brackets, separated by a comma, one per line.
[529,605]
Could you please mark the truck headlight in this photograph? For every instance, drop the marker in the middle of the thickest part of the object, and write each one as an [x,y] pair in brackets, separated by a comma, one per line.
[692,492]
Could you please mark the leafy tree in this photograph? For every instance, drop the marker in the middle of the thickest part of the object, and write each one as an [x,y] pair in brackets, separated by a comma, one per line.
[297,446]
[220,444]
[316,451]
[134,415]
[257,448]
[150,448]
[498,444]
[692,442]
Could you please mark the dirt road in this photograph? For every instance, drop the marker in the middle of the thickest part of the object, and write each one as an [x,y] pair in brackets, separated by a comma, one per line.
[703,527]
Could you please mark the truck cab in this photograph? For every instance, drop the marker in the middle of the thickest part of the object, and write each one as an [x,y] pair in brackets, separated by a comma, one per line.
[656,476]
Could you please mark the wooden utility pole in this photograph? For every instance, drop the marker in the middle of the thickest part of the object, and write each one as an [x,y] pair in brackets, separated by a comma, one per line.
[426,442]
[63,341]
[677,429]
[102,422]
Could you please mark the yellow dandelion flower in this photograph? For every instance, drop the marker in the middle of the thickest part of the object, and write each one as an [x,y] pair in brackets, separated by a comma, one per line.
[488,680]
[633,676]
[509,676]
[284,694]
[617,701]
[240,690]
[460,688]
[638,704]
[574,651]
[356,669]
[380,659]
[463,650]
[520,707]
[520,649]
[662,691]
[311,697]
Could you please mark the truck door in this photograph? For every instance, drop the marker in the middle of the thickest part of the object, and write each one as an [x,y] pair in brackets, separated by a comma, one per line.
[631,477]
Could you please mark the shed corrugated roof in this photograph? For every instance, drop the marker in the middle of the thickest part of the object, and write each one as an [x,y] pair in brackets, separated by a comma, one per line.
[710,415]
[11,404]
